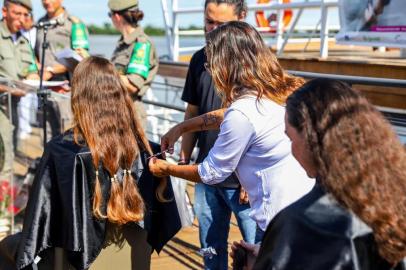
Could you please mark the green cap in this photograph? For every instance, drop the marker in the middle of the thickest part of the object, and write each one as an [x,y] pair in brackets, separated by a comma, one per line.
[25,3]
[119,5]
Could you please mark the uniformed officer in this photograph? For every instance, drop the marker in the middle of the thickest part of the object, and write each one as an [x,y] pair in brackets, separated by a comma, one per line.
[134,56]
[16,63]
[70,32]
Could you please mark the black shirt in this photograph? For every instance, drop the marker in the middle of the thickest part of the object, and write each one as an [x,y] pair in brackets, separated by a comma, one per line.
[199,91]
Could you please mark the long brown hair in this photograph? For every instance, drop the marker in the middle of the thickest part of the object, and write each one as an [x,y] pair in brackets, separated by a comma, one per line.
[358,156]
[105,118]
[239,60]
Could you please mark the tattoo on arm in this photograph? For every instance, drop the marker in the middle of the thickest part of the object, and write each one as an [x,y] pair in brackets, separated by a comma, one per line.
[209,120]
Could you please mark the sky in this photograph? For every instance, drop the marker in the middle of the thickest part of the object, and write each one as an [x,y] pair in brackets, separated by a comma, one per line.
[95,12]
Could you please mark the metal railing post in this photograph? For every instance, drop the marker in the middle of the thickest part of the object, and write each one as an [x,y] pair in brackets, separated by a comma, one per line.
[168,28]
[175,29]
[291,30]
[279,29]
[324,31]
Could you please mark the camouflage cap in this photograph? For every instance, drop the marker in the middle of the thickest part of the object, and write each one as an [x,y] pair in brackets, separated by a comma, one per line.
[119,5]
[25,3]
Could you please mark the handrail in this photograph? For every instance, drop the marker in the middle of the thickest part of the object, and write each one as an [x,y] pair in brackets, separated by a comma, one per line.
[164,105]
[352,79]
[268,6]
[180,66]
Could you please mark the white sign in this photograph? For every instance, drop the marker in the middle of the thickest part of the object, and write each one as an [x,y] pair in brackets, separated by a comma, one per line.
[373,22]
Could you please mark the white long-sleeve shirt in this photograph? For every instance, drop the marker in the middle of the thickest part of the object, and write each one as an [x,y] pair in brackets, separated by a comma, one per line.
[252,142]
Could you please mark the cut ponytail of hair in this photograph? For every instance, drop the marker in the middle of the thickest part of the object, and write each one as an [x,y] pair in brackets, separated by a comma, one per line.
[115,211]
[97,198]
[132,200]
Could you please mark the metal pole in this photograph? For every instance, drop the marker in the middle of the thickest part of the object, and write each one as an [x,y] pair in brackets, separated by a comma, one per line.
[11,160]
[324,31]
[279,29]
[292,28]
[175,29]
[42,93]
[168,30]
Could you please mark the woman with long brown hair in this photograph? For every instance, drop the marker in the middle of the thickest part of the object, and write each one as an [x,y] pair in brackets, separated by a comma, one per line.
[112,133]
[251,142]
[96,174]
[355,217]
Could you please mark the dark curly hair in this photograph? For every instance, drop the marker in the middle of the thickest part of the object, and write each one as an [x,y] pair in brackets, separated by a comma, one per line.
[358,156]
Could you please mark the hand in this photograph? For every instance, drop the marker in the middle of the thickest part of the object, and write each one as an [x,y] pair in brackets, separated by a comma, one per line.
[18,92]
[130,87]
[82,52]
[158,167]
[251,249]
[169,138]
[243,196]
[33,76]
[14,91]
[47,75]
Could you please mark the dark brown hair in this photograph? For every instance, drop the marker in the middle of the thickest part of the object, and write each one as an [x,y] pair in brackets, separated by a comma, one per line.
[358,156]
[239,61]
[132,16]
[240,6]
[105,118]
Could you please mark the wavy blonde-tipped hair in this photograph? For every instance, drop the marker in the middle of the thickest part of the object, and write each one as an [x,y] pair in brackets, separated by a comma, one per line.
[358,156]
[104,116]
[239,61]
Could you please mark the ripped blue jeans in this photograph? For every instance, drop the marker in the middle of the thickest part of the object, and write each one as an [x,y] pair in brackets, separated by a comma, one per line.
[213,207]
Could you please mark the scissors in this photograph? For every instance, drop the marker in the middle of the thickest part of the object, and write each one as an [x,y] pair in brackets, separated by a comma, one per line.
[160,153]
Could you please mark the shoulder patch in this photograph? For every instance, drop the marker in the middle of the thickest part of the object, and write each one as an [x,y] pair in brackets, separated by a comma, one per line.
[79,36]
[139,61]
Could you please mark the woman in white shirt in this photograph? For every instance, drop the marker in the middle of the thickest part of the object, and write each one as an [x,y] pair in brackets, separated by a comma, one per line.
[251,141]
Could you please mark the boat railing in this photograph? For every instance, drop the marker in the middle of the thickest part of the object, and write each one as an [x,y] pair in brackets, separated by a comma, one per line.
[172,13]
[166,93]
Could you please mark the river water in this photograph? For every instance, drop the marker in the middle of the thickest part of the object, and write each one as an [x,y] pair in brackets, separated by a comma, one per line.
[104,44]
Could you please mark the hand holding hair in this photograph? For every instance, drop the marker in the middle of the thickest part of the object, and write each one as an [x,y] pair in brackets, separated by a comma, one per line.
[158,167]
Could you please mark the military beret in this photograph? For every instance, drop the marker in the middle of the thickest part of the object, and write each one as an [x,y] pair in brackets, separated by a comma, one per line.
[119,5]
[25,3]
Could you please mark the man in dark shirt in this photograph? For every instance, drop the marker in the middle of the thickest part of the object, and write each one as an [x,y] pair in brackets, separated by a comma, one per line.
[213,204]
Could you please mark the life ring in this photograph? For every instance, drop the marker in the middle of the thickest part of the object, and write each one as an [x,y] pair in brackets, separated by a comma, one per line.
[269,22]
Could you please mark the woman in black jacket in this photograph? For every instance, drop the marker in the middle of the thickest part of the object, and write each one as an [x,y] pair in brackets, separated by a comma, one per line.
[355,217]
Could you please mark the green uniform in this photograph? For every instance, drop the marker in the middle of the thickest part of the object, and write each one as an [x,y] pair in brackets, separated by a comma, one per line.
[6,145]
[16,58]
[136,58]
[59,37]
[16,62]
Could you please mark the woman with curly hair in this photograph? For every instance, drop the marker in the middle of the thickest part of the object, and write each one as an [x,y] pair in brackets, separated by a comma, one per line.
[355,217]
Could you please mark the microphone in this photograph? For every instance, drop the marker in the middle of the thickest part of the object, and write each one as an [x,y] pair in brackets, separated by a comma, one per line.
[50,23]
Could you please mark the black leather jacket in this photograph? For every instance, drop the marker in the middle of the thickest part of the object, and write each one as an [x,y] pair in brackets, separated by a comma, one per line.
[315,233]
